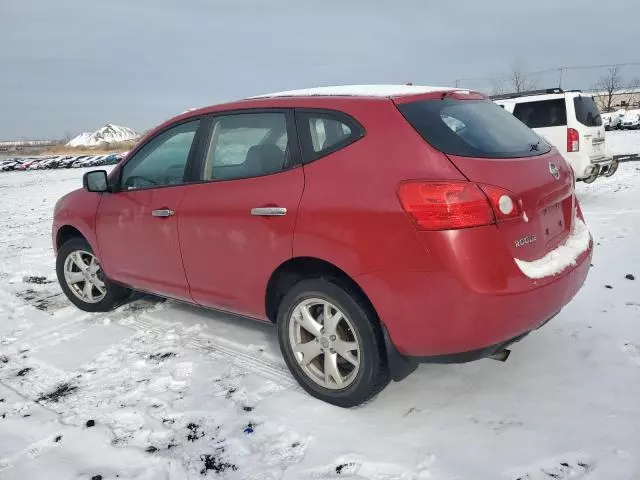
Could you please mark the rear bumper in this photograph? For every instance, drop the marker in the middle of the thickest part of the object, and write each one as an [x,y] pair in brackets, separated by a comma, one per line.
[470,307]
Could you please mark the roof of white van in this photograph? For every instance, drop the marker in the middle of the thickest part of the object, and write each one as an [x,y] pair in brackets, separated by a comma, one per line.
[535,98]
[361,91]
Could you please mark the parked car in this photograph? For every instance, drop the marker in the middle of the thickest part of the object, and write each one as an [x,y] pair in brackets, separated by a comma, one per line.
[571,122]
[377,226]
[8,164]
[631,120]
[83,161]
[68,162]
[27,163]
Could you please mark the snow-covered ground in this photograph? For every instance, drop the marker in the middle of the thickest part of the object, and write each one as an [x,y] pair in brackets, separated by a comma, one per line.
[161,390]
[622,142]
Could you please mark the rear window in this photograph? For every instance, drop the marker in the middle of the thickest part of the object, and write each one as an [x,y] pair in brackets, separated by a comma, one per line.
[542,114]
[472,128]
[587,112]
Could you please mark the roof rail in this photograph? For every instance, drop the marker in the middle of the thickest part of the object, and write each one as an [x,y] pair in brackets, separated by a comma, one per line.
[546,91]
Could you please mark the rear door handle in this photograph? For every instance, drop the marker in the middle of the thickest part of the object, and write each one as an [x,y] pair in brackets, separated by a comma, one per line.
[268,211]
[163,212]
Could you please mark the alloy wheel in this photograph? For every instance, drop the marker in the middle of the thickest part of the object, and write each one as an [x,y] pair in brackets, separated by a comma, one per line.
[83,275]
[324,343]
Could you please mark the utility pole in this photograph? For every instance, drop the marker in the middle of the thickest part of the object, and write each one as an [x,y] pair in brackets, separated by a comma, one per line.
[560,81]
[457,82]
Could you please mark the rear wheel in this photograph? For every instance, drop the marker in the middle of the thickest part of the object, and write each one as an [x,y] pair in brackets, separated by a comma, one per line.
[82,280]
[332,343]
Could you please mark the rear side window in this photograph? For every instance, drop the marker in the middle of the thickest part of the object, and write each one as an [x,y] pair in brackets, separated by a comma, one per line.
[323,132]
[247,145]
[472,128]
[542,114]
[587,112]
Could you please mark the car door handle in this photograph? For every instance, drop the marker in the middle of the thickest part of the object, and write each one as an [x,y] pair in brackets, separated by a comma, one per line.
[268,211]
[163,212]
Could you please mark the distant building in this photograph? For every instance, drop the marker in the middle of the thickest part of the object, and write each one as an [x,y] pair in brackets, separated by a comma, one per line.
[626,99]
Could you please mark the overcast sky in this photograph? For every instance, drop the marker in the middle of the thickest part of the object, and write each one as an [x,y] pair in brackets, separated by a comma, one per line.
[74,65]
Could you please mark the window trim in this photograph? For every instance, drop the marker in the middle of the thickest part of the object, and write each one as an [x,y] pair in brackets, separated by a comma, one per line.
[193,151]
[304,132]
[292,142]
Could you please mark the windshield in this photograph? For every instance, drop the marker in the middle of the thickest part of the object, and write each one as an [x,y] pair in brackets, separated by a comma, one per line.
[472,128]
[587,112]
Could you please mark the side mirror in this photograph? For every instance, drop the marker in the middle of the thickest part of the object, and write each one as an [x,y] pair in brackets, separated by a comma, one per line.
[95,181]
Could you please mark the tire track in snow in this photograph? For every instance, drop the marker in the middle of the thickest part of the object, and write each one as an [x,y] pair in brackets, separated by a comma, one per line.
[207,345]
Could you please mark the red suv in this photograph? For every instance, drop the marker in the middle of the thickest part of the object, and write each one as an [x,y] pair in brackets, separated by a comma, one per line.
[377,226]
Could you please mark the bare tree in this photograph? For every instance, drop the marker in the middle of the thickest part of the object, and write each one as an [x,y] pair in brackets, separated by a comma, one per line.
[607,86]
[515,80]
[632,89]
[497,86]
[519,80]
[612,90]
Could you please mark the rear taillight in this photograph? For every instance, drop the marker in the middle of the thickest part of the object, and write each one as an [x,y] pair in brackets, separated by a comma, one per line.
[454,205]
[503,202]
[573,140]
[445,205]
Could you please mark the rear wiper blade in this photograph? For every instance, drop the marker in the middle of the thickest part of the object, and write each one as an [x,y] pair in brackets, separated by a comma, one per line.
[533,147]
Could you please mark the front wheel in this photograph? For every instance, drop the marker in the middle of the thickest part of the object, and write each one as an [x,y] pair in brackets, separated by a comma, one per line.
[332,343]
[82,280]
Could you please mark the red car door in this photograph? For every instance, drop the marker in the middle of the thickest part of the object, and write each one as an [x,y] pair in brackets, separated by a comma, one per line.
[237,227]
[137,226]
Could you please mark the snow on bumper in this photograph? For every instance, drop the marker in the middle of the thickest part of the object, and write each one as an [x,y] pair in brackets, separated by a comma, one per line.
[566,255]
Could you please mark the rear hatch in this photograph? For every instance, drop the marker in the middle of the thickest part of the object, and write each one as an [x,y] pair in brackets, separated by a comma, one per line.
[588,122]
[492,148]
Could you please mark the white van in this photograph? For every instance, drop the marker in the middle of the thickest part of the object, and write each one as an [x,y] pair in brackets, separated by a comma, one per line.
[568,120]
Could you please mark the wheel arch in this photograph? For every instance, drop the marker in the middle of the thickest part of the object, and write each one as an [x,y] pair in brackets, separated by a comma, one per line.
[298,268]
[66,233]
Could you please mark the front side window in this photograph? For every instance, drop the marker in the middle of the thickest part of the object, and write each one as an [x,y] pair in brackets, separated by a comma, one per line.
[472,128]
[246,145]
[542,114]
[162,161]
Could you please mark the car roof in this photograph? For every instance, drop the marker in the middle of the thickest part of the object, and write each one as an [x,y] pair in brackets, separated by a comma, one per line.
[327,97]
[334,97]
[384,91]
[537,98]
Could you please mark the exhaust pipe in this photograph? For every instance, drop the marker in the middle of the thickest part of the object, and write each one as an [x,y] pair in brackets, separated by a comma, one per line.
[500,355]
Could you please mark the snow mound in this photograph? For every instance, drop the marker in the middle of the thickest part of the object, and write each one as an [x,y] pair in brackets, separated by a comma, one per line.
[562,257]
[105,135]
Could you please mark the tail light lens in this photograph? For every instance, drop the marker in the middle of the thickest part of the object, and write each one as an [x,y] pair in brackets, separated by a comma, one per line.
[445,205]
[573,140]
[455,205]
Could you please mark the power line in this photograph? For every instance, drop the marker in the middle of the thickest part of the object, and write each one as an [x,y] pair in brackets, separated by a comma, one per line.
[559,69]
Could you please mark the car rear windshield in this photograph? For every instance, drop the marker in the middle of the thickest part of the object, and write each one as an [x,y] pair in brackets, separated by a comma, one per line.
[587,112]
[472,128]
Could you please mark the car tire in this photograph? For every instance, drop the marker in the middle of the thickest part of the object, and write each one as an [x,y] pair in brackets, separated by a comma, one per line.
[345,381]
[81,278]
